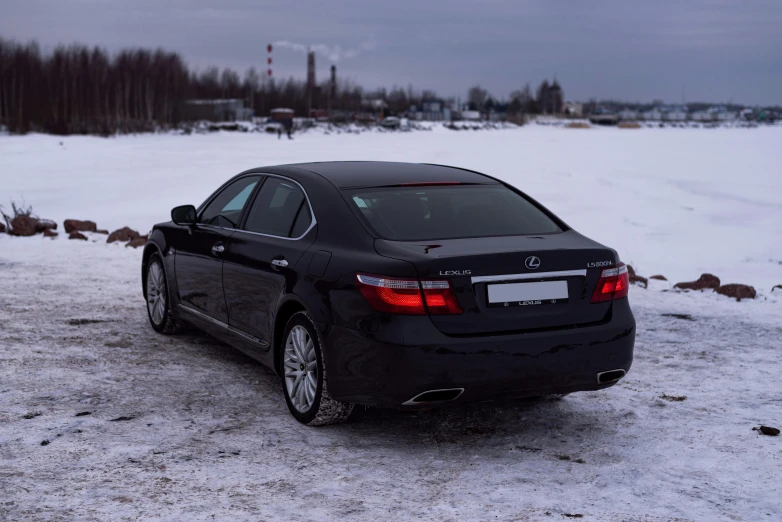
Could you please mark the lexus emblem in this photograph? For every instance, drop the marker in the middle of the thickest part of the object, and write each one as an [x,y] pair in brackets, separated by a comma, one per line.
[532,262]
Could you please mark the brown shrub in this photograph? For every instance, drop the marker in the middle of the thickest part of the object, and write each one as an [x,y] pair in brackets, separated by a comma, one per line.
[24,226]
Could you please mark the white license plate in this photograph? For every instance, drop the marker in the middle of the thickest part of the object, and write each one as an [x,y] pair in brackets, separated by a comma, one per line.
[515,294]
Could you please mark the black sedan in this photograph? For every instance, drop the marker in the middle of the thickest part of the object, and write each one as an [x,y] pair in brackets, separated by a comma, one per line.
[392,285]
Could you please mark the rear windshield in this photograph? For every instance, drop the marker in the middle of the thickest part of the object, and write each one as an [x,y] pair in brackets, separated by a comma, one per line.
[445,212]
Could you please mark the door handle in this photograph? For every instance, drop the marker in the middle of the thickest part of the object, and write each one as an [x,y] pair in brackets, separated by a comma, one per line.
[218,248]
[280,262]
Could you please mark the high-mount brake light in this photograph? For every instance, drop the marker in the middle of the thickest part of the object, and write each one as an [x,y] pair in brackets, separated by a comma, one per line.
[613,284]
[408,296]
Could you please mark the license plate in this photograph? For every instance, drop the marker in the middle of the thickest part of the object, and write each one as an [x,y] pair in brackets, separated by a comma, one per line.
[528,294]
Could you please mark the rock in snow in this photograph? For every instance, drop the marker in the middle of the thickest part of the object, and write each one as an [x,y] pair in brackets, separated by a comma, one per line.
[72,225]
[137,242]
[77,235]
[636,279]
[45,224]
[123,234]
[659,277]
[703,282]
[738,291]
[767,430]
[48,232]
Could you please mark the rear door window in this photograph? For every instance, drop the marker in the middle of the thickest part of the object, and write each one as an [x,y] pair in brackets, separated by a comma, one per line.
[447,212]
[280,209]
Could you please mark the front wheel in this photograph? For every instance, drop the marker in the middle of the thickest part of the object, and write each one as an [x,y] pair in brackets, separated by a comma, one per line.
[303,372]
[158,303]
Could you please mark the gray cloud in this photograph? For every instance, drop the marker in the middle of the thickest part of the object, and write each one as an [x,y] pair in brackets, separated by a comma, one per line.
[717,49]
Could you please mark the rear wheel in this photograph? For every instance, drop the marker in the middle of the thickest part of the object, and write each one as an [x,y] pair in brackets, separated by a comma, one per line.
[303,378]
[158,303]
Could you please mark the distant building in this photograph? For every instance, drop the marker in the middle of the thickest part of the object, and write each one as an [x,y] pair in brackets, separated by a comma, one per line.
[550,98]
[377,106]
[216,110]
[281,114]
[653,114]
[713,114]
[675,114]
[603,116]
[701,116]
[723,114]
[573,109]
[430,110]
[627,114]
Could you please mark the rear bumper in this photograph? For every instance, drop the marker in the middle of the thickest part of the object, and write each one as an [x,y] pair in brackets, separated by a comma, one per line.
[365,370]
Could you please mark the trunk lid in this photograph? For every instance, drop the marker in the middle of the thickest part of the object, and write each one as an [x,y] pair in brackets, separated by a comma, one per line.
[472,265]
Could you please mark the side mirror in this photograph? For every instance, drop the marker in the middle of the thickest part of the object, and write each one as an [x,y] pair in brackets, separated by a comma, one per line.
[184,215]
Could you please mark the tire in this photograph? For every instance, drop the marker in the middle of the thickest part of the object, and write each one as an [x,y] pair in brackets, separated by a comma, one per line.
[159,310]
[303,375]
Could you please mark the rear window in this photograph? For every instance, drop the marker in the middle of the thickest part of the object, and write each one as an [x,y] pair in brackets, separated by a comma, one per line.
[445,212]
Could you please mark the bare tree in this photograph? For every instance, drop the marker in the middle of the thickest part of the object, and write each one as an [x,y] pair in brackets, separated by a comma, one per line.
[78,89]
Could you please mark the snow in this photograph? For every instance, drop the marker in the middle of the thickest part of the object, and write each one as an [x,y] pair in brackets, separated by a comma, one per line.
[674,201]
[209,435]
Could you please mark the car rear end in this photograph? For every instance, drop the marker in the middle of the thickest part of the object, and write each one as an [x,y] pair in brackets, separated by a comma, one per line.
[477,292]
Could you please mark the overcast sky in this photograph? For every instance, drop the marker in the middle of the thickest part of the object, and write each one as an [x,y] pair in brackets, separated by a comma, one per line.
[713,50]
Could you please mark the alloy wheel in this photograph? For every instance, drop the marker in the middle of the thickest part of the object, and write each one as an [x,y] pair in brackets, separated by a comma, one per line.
[301,368]
[156,293]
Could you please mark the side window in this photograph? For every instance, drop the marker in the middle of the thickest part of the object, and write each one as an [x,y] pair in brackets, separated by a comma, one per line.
[226,209]
[280,209]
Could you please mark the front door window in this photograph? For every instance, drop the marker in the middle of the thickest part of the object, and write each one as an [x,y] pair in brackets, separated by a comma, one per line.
[225,210]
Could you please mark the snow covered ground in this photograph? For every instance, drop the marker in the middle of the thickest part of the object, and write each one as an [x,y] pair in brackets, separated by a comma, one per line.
[184,428]
[673,201]
[207,435]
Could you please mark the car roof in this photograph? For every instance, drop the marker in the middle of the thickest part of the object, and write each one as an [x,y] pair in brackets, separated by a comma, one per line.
[354,174]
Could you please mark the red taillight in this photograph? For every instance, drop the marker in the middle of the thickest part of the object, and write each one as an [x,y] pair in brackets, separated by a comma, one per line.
[407,296]
[440,299]
[613,284]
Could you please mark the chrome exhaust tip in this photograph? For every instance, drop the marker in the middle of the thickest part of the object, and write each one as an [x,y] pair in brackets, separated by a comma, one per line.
[610,376]
[435,396]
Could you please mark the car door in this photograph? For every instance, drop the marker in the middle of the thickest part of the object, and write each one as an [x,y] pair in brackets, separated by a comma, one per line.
[260,262]
[200,248]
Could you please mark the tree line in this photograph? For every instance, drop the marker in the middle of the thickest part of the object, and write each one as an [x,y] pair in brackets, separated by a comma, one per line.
[77,89]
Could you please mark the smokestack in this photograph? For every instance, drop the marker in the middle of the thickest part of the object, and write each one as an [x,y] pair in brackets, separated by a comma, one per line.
[310,70]
[310,80]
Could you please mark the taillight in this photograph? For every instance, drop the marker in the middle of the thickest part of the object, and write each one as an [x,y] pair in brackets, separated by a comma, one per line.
[613,284]
[440,299]
[407,296]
